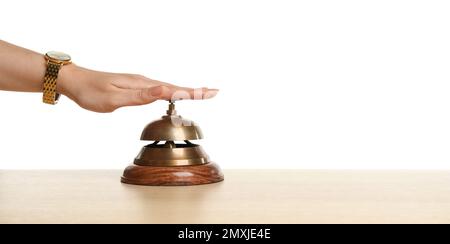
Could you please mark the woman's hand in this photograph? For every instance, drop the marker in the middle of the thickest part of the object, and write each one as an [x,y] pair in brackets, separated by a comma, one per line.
[105,92]
[24,70]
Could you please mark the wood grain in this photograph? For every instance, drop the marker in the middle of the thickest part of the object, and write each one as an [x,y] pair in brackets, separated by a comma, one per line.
[172,176]
[246,196]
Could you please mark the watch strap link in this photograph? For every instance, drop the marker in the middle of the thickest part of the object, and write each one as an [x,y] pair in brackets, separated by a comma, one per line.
[50,95]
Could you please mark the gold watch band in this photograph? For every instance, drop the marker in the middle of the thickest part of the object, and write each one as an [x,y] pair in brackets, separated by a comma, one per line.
[55,60]
[50,95]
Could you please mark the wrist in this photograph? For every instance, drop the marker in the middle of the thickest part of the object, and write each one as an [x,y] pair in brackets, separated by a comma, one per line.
[66,77]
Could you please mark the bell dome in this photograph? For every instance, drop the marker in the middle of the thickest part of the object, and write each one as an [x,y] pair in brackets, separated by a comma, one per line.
[171,127]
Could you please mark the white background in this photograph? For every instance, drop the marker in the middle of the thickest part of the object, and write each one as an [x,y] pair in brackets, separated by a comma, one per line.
[304,84]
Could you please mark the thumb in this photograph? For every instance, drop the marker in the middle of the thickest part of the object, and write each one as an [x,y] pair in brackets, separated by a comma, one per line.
[133,97]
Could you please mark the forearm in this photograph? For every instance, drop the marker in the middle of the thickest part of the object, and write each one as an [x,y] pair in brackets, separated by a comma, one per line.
[20,69]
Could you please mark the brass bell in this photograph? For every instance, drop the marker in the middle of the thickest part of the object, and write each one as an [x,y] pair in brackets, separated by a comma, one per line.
[171,158]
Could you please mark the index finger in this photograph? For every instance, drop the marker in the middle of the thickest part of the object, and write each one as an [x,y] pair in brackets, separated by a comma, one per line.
[174,93]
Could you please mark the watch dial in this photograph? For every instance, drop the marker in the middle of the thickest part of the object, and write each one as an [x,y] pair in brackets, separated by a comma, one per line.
[58,56]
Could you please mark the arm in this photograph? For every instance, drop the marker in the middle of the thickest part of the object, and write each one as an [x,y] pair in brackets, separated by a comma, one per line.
[92,90]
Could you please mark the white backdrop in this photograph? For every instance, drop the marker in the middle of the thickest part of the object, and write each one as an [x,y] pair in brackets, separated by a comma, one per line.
[304,84]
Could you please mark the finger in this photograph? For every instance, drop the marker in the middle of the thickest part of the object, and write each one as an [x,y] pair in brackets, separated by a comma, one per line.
[171,93]
[134,97]
[175,93]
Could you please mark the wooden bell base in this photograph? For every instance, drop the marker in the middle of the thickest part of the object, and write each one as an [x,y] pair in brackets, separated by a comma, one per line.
[172,175]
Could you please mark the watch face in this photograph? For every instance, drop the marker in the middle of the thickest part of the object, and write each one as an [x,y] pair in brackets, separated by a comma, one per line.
[58,56]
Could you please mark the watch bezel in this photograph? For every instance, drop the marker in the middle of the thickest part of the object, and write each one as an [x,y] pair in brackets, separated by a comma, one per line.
[58,57]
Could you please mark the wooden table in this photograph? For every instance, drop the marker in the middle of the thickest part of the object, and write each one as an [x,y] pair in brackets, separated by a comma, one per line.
[246,196]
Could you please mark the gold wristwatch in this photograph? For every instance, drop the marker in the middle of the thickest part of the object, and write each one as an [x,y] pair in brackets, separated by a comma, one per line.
[55,60]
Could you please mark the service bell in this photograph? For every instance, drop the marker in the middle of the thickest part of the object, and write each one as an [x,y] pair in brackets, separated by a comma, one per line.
[171,158]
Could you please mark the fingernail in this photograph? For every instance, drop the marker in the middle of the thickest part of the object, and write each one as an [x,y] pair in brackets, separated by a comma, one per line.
[210,93]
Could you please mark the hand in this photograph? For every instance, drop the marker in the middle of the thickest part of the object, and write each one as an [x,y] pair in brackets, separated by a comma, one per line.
[105,92]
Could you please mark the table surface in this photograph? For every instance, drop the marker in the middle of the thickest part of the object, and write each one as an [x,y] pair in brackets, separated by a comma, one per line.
[246,196]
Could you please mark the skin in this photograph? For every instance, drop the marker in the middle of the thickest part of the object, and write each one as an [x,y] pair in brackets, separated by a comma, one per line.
[23,70]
